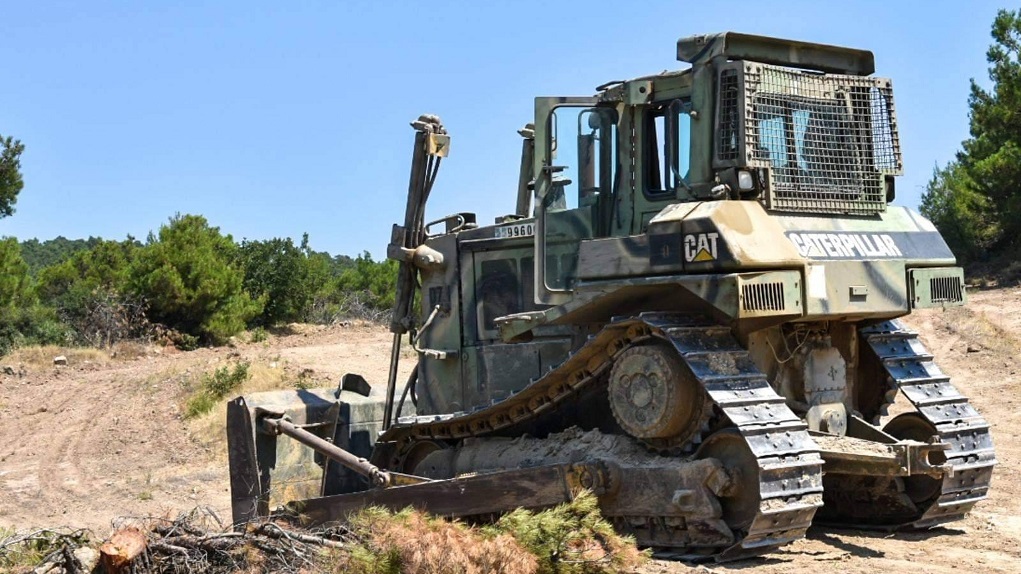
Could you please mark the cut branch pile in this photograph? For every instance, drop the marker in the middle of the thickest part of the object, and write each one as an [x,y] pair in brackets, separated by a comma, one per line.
[44,551]
[194,543]
[571,538]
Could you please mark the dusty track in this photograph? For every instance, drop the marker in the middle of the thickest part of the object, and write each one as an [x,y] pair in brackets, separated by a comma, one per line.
[83,444]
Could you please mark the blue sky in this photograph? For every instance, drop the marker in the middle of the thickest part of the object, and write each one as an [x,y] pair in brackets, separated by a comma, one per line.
[277,118]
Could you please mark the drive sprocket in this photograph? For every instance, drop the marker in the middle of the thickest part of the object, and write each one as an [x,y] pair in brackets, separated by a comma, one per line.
[655,399]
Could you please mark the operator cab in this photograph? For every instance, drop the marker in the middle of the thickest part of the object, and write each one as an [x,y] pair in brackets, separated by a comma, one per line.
[799,127]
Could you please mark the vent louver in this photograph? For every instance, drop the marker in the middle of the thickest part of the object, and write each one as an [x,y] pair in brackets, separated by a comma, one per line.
[762,297]
[946,289]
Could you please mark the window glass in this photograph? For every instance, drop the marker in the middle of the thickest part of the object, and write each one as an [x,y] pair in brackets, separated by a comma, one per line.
[584,146]
[499,288]
[773,141]
[667,148]
[823,146]
[682,167]
[597,153]
[564,154]
[583,149]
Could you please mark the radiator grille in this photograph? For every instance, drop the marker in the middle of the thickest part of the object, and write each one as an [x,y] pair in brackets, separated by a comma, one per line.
[946,289]
[762,297]
[828,140]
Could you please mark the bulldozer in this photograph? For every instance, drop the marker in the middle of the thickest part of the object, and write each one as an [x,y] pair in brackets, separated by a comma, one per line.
[692,313]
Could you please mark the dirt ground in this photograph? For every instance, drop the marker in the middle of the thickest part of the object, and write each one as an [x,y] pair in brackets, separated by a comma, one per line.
[104,437]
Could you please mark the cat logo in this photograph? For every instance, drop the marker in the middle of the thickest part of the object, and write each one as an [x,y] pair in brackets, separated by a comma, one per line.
[700,247]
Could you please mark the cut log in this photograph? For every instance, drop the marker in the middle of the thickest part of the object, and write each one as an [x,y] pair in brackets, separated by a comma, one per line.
[121,549]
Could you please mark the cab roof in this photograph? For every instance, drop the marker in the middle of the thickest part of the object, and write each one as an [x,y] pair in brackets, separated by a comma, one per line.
[793,53]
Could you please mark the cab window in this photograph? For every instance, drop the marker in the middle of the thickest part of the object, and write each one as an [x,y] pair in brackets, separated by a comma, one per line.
[667,151]
[584,145]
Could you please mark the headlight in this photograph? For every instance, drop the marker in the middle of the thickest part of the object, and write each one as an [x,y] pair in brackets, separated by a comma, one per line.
[745,181]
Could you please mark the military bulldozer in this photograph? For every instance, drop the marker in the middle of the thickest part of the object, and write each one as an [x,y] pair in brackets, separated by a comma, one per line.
[691,312]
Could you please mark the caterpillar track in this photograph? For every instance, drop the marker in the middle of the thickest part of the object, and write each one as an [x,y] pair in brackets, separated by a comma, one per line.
[789,468]
[941,410]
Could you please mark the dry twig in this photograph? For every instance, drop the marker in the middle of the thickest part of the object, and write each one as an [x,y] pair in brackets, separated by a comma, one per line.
[194,543]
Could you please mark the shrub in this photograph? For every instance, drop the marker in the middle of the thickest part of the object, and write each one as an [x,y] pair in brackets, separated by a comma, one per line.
[410,542]
[374,280]
[340,306]
[102,318]
[258,335]
[187,277]
[361,289]
[571,538]
[286,277]
[88,290]
[215,387]
[32,325]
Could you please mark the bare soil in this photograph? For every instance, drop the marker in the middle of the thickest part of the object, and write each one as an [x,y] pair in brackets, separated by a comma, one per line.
[105,437]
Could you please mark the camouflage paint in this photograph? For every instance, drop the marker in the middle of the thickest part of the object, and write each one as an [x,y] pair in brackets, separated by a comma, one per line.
[681,251]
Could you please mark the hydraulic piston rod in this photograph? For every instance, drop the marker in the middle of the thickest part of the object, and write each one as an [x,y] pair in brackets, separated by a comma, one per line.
[360,465]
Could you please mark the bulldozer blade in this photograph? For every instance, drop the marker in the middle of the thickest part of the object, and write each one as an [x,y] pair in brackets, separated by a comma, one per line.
[473,495]
[267,470]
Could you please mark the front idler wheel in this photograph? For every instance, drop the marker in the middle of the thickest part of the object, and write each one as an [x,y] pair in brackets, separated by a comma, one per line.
[920,488]
[740,500]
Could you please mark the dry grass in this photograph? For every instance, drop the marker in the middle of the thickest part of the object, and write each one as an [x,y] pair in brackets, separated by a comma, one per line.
[976,326]
[996,337]
[129,350]
[37,357]
[208,429]
[41,357]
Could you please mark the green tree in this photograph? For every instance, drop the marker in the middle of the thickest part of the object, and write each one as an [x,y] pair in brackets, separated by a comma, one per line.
[992,155]
[286,277]
[41,254]
[975,201]
[90,293]
[188,277]
[22,319]
[104,266]
[10,174]
[373,281]
[15,284]
[959,211]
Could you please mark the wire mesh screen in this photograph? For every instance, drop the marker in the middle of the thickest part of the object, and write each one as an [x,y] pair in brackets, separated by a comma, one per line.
[828,140]
[727,144]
